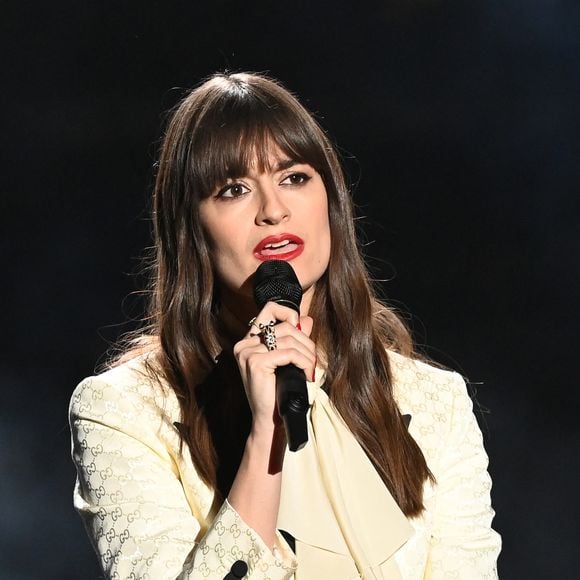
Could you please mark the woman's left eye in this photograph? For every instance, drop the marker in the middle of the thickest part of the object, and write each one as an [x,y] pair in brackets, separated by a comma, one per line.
[296,179]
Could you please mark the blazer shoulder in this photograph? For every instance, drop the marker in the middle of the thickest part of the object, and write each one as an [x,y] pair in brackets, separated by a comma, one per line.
[128,388]
[416,380]
[431,395]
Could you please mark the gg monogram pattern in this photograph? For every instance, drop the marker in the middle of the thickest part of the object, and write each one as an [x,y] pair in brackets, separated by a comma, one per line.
[453,538]
[217,549]
[146,510]
[150,516]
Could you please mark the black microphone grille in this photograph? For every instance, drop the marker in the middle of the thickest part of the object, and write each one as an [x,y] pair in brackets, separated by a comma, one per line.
[276,281]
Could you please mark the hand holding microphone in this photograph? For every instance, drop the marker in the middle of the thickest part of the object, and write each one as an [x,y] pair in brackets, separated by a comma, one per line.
[276,281]
[274,379]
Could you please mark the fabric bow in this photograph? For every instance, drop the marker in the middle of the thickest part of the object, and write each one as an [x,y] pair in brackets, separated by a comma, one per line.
[334,500]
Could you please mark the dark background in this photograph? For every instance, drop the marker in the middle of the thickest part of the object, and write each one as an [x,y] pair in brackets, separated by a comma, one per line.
[459,122]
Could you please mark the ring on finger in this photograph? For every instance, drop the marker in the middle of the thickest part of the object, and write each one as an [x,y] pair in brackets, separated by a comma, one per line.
[253,323]
[268,335]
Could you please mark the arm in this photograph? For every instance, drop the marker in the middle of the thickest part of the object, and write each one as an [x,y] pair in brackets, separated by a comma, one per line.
[256,489]
[255,492]
[129,490]
[463,544]
[132,500]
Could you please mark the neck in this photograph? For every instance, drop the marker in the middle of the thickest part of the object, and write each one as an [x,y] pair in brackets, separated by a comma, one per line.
[235,312]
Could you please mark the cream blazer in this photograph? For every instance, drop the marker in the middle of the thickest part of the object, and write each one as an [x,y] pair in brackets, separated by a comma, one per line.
[150,516]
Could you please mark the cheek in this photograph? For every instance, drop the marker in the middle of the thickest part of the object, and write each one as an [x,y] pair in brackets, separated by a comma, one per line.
[218,236]
[223,257]
[325,224]
[216,245]
[327,243]
[320,220]
[225,270]
[228,256]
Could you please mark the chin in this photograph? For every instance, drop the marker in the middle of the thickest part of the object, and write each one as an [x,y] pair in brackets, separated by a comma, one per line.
[308,282]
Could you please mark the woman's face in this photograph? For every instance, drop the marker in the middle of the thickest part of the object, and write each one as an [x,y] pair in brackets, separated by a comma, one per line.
[280,214]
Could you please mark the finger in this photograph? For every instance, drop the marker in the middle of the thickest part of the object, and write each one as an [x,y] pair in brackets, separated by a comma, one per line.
[306,325]
[288,337]
[294,339]
[286,343]
[289,343]
[267,362]
[278,313]
[284,329]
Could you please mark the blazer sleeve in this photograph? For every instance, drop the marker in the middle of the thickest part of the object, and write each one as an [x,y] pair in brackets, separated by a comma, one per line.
[463,544]
[133,504]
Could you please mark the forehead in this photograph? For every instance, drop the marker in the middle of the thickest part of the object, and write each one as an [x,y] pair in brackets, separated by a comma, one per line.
[230,152]
[262,158]
[271,160]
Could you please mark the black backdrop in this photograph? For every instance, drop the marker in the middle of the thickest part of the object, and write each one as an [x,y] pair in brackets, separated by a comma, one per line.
[459,123]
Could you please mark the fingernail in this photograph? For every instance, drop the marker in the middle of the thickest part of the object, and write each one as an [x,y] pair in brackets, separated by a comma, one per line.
[298,326]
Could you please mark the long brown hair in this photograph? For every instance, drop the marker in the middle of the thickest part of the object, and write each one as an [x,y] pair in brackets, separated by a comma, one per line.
[216,132]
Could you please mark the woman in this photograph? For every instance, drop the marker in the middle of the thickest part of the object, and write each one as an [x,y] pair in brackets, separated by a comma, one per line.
[183,468]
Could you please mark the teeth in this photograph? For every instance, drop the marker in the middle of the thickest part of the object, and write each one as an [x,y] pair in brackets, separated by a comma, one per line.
[277,245]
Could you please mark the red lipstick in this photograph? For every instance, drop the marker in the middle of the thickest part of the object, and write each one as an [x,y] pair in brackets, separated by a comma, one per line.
[279,247]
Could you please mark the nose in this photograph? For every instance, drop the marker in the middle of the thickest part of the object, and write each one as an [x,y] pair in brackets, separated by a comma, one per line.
[272,209]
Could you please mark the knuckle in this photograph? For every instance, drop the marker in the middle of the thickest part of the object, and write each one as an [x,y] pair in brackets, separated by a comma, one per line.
[285,327]
[252,363]
[241,351]
[296,354]
[269,307]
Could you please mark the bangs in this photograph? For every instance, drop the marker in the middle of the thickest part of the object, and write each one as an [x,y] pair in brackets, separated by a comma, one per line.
[238,131]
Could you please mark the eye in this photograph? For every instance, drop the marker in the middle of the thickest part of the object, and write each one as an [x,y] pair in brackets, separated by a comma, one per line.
[232,190]
[298,178]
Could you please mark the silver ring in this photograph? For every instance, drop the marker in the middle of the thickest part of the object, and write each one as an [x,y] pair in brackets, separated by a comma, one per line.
[268,335]
[253,323]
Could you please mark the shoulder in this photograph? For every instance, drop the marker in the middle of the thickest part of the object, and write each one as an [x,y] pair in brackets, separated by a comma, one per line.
[417,382]
[130,391]
[435,398]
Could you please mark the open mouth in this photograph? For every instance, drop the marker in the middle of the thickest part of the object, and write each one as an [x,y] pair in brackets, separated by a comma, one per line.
[280,247]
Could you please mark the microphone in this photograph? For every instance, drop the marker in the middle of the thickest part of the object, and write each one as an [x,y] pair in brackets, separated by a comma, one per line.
[276,281]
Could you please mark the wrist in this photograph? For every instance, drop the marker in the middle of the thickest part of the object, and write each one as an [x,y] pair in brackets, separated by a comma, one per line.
[269,443]
[267,429]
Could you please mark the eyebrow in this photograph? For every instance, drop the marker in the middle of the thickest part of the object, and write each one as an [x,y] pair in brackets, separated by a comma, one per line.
[286,164]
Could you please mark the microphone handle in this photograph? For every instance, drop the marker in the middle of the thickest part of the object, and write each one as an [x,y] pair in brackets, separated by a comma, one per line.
[292,402]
